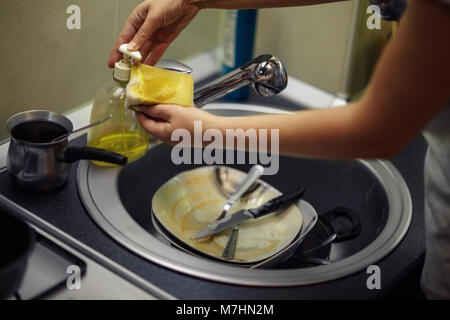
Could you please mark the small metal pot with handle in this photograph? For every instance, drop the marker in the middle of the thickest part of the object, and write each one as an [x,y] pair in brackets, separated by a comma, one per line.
[36,162]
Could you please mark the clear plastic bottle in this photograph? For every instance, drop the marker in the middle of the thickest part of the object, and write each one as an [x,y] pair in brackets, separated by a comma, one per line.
[122,133]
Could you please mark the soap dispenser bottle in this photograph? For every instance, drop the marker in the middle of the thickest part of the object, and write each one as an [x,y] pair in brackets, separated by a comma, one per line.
[122,133]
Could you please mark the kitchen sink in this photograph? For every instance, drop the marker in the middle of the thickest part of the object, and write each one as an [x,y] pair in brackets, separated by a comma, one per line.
[119,201]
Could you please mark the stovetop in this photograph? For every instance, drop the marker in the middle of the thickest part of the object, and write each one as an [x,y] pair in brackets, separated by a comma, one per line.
[48,270]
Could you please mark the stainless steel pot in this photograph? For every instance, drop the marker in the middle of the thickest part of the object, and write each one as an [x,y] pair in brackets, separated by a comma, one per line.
[38,164]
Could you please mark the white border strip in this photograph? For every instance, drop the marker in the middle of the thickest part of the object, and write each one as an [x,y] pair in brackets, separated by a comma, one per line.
[309,96]
[245,107]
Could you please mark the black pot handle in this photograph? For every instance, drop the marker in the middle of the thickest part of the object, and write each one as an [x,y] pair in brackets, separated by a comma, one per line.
[72,154]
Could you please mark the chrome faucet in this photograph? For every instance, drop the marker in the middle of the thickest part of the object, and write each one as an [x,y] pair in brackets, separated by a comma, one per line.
[266,74]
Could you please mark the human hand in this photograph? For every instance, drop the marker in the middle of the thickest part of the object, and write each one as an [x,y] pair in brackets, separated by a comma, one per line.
[161,120]
[152,26]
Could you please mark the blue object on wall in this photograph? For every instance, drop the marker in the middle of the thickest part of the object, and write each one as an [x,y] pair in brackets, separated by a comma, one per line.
[238,44]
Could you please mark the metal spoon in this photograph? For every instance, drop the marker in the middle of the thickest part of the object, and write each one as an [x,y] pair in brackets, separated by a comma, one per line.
[93,124]
[230,248]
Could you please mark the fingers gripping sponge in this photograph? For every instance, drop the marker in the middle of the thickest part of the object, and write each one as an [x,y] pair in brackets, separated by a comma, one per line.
[150,85]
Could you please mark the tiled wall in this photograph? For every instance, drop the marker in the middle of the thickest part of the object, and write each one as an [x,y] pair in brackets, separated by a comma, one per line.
[45,65]
[312,41]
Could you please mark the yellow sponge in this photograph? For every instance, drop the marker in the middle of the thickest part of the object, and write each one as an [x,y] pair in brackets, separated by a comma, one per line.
[151,85]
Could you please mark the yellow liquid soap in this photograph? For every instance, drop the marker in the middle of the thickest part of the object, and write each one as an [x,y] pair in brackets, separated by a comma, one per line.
[133,145]
[122,133]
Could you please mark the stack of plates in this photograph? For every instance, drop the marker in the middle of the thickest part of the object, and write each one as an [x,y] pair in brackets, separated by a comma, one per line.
[193,199]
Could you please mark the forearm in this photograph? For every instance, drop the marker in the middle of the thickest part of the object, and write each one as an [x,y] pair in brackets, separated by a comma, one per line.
[331,133]
[408,88]
[254,4]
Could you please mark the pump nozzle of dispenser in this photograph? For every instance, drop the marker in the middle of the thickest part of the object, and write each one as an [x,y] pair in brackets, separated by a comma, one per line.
[122,68]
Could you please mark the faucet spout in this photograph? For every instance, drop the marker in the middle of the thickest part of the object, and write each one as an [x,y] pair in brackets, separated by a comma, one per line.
[265,73]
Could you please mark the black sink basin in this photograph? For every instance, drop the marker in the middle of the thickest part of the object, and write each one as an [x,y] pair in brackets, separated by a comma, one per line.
[329,184]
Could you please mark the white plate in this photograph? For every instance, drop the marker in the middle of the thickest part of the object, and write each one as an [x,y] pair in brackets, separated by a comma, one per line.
[191,200]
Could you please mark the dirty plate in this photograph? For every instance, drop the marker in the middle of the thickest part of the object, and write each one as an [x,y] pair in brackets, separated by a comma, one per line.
[193,199]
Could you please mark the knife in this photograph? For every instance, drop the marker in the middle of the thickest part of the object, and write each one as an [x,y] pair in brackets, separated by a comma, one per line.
[280,202]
